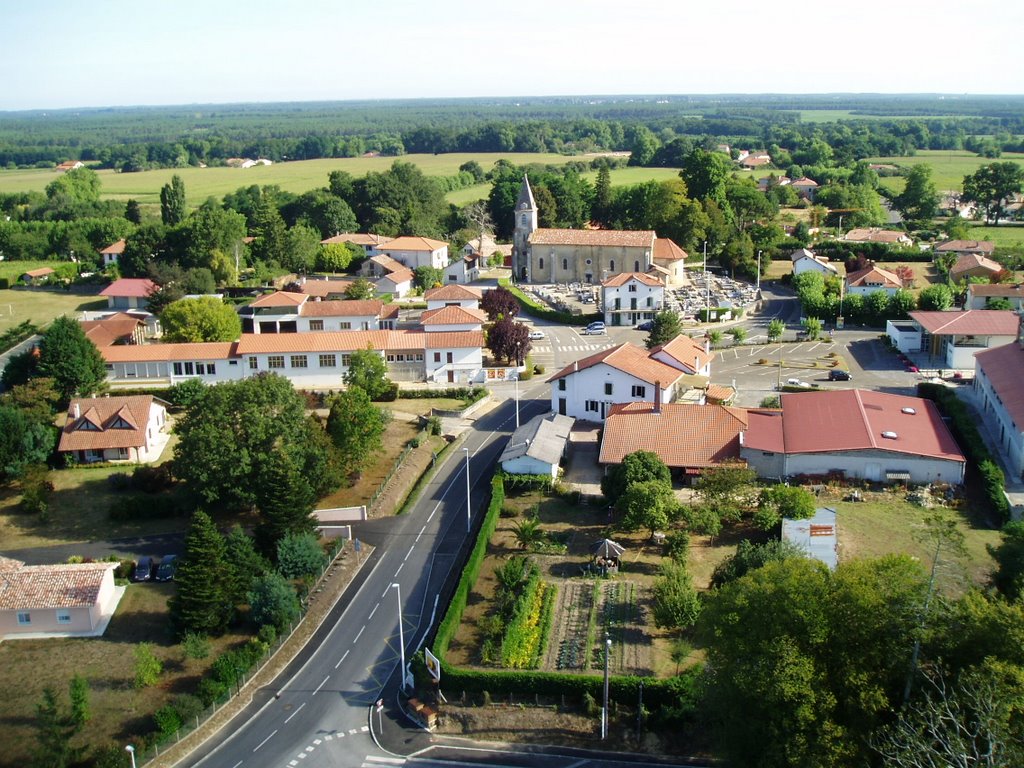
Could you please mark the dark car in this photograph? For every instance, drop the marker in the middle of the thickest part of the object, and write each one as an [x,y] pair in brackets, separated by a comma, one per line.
[143,569]
[646,325]
[167,568]
[837,374]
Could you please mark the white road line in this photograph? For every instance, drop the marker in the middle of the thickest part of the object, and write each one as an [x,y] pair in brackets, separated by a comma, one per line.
[318,691]
[293,714]
[328,737]
[310,748]
[359,635]
[374,610]
[260,744]
[341,660]
[408,553]
[353,731]
[402,565]
[365,728]
[237,764]
[301,755]
[385,592]
[317,742]
[293,763]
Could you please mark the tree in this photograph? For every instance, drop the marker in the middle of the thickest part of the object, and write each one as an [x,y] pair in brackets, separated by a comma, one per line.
[781,501]
[368,371]
[68,357]
[229,436]
[1008,577]
[300,555]
[202,603]
[775,329]
[285,500]
[271,235]
[148,667]
[676,604]
[20,369]
[356,427]
[206,318]
[812,325]
[360,289]
[336,257]
[738,333]
[649,504]
[74,189]
[132,212]
[902,303]
[919,201]
[172,202]
[665,327]
[302,246]
[725,487]
[499,303]
[636,467]
[273,602]
[935,298]
[509,340]
[992,186]
[528,532]
[705,174]
[750,556]
[78,693]
[602,206]
[24,440]
[243,562]
[427,277]
[55,729]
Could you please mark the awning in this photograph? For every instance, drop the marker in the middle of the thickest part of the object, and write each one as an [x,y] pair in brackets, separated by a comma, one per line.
[897,474]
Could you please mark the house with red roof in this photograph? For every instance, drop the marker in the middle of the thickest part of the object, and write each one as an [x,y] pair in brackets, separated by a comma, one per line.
[453,296]
[998,377]
[370,243]
[669,263]
[414,251]
[980,294]
[117,328]
[974,265]
[453,318]
[129,293]
[952,338]
[39,601]
[287,312]
[112,253]
[37,276]
[959,247]
[631,297]
[115,429]
[871,279]
[877,235]
[854,433]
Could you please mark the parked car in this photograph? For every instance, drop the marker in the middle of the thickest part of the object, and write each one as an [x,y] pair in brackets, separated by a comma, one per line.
[167,568]
[594,329]
[143,569]
[837,374]
[536,334]
[646,325]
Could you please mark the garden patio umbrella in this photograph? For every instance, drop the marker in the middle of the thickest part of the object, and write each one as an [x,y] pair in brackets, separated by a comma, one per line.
[607,549]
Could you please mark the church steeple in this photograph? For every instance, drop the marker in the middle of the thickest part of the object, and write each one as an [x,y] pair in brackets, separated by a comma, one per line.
[525,225]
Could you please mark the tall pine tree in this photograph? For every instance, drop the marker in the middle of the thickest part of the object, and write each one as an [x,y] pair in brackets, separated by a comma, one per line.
[68,357]
[203,602]
[172,202]
[285,501]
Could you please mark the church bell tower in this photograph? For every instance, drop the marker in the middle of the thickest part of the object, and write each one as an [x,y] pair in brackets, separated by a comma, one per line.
[525,225]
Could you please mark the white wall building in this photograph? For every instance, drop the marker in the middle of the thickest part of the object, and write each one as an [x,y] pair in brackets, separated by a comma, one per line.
[416,251]
[999,384]
[631,297]
[538,446]
[285,312]
[453,296]
[463,270]
[808,261]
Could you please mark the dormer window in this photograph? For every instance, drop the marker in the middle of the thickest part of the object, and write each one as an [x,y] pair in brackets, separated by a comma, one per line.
[87,426]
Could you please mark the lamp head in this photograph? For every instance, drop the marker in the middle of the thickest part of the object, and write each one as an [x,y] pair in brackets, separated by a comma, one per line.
[129,748]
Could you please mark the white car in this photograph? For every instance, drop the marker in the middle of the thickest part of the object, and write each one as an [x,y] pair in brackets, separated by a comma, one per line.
[536,334]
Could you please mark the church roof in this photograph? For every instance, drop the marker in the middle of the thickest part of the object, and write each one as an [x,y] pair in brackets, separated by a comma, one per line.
[525,196]
[594,237]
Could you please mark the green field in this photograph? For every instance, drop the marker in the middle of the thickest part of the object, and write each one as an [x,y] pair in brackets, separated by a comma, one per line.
[42,306]
[299,176]
[948,166]
[621,177]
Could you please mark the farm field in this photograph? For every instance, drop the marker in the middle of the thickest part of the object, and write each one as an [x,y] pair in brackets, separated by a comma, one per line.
[41,306]
[299,176]
[620,177]
[948,167]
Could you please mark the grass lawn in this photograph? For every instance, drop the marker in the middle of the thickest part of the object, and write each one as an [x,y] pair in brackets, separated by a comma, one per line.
[119,712]
[1005,235]
[42,306]
[421,405]
[948,166]
[924,272]
[620,177]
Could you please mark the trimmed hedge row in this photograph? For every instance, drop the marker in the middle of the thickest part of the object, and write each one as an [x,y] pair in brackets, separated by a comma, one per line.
[993,482]
[841,250]
[469,394]
[534,309]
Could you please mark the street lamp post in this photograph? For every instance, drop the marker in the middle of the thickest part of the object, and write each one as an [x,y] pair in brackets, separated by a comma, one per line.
[401,633]
[759,271]
[517,401]
[604,709]
[131,753]
[469,509]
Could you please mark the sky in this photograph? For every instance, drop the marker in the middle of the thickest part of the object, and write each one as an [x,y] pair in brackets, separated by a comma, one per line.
[71,53]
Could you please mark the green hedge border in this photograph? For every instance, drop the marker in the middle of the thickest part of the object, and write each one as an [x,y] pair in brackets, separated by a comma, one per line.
[534,309]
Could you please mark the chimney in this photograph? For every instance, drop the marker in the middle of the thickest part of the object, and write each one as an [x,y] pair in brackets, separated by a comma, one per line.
[77,411]
[707,346]
[657,398]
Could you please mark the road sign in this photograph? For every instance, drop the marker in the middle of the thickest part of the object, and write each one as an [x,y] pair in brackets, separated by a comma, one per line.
[433,665]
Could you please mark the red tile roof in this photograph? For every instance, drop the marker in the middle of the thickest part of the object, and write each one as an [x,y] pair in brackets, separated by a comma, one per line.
[453,340]
[143,353]
[111,329]
[594,237]
[399,276]
[347,308]
[874,276]
[686,351]
[1006,290]
[412,243]
[452,292]
[968,262]
[41,272]
[966,246]
[325,288]
[971,322]
[389,312]
[105,413]
[357,238]
[453,315]
[114,248]
[387,263]
[280,299]
[681,435]
[627,358]
[622,278]
[854,420]
[52,586]
[1004,368]
[764,431]
[874,235]
[130,287]
[665,249]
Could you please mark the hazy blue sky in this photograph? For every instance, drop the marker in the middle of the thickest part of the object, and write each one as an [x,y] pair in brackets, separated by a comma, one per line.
[70,53]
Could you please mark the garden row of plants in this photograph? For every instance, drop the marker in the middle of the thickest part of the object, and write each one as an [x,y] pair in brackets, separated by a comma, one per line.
[964,429]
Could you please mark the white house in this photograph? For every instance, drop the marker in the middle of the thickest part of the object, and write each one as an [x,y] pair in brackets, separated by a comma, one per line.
[397,283]
[979,294]
[286,312]
[952,338]
[805,187]
[463,270]
[453,295]
[630,297]
[538,446]
[56,600]
[669,262]
[112,253]
[998,377]
[115,429]
[685,354]
[370,243]
[453,318]
[871,279]
[588,388]
[858,434]
[416,251]
[808,261]
[129,293]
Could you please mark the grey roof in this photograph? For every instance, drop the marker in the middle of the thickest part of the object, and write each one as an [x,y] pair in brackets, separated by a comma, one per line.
[542,438]
[525,196]
[816,535]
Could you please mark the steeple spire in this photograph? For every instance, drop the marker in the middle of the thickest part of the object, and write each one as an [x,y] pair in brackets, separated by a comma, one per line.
[525,201]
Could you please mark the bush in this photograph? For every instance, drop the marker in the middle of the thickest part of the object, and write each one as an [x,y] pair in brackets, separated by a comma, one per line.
[300,555]
[119,481]
[146,508]
[434,425]
[188,707]
[167,720]
[210,690]
[148,667]
[677,546]
[416,442]
[125,569]
[195,645]
[152,479]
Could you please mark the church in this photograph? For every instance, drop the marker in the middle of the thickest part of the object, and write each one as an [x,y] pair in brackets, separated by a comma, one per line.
[541,255]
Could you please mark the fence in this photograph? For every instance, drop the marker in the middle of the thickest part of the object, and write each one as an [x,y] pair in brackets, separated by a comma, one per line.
[394,468]
[161,742]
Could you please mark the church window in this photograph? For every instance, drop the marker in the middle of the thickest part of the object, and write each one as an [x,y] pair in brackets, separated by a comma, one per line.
[589,262]
[611,265]
[565,264]
[636,266]
[522,220]
[540,263]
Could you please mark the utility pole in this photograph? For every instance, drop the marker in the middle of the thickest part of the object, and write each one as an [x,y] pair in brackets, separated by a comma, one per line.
[604,709]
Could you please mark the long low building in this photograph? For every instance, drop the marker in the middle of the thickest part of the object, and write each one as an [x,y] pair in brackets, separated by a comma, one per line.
[855,433]
[316,359]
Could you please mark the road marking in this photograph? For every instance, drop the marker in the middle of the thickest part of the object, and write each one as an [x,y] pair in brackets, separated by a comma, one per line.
[393,760]
[293,763]
[318,691]
[328,737]
[408,553]
[353,731]
[420,533]
[365,728]
[317,742]
[310,748]
[399,570]
[301,755]
[293,714]
[238,763]
[374,610]
[260,745]
[342,659]
[359,635]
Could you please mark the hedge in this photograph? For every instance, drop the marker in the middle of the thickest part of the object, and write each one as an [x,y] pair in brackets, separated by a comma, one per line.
[964,429]
[469,394]
[841,250]
[535,309]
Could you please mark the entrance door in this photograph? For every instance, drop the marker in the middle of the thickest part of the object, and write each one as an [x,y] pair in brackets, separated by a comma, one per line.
[561,406]
[873,472]
[451,376]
